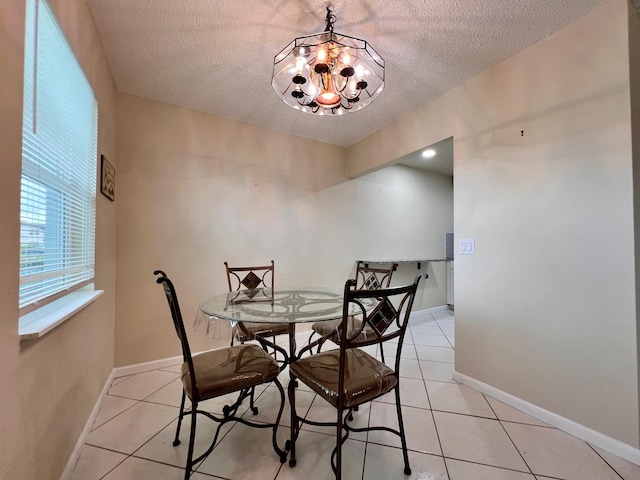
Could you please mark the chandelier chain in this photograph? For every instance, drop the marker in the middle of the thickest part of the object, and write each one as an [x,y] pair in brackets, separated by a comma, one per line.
[330,20]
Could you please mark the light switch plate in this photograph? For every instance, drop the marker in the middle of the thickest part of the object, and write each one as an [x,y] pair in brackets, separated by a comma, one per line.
[467,246]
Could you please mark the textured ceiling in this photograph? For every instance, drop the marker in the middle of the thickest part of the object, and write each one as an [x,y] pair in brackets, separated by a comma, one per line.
[216,56]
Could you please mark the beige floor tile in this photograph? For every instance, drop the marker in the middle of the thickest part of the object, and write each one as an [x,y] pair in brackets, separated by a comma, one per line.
[479,440]
[173,368]
[439,371]
[112,406]
[142,385]
[322,411]
[413,393]
[627,470]
[553,453]
[509,414]
[419,428]
[409,368]
[432,329]
[472,471]
[448,331]
[170,394]
[217,405]
[313,454]
[422,318]
[121,379]
[389,350]
[160,448]
[131,429]
[457,398]
[94,463]
[446,322]
[245,453]
[268,403]
[386,463]
[435,354]
[139,469]
[441,315]
[438,340]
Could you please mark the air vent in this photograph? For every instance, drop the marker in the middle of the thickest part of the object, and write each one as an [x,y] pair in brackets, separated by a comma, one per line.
[448,243]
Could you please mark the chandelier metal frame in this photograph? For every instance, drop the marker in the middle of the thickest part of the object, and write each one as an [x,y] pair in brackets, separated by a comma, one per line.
[328,73]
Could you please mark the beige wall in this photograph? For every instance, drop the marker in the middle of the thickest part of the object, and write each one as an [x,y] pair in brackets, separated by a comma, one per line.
[545,310]
[196,190]
[48,387]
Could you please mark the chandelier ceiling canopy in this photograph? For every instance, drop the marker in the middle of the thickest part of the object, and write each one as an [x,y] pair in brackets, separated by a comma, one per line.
[328,73]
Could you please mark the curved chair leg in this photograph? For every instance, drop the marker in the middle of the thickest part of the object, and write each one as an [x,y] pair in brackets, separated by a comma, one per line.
[281,454]
[252,406]
[192,437]
[176,441]
[403,439]
[339,440]
[291,444]
[381,353]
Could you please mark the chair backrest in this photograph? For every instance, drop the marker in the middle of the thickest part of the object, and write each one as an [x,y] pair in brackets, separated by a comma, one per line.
[387,320]
[259,280]
[250,277]
[176,315]
[373,278]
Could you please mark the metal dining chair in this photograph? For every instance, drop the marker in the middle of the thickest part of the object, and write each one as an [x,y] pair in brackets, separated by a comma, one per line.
[260,280]
[214,373]
[348,376]
[367,278]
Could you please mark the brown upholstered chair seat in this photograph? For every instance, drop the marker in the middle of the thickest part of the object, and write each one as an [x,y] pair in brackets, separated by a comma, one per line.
[329,330]
[229,369]
[365,377]
[251,329]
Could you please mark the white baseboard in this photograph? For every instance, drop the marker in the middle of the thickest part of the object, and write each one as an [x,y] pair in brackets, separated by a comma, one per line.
[77,450]
[598,439]
[115,373]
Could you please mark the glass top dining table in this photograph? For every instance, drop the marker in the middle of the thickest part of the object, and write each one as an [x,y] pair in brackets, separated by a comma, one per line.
[289,305]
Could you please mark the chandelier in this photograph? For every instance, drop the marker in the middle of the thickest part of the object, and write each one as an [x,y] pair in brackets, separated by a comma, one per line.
[328,73]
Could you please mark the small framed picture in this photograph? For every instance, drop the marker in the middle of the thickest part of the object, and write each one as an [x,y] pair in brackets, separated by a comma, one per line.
[107,179]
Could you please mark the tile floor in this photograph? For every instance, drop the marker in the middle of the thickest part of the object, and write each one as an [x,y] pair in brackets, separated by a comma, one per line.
[453,431]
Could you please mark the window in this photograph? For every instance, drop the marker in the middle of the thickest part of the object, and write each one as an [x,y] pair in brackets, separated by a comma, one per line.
[59,152]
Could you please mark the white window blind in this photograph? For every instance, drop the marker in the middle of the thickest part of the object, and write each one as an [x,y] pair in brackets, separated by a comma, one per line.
[59,152]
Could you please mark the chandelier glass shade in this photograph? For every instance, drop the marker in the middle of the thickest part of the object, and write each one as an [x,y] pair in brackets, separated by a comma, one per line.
[328,73]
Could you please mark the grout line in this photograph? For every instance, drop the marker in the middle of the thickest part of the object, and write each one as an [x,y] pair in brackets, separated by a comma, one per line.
[507,433]
[603,459]
[497,467]
[94,427]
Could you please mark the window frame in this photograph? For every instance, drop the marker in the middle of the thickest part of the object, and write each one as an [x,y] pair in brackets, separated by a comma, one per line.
[59,177]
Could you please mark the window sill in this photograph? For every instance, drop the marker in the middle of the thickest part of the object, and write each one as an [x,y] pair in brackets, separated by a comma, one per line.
[41,321]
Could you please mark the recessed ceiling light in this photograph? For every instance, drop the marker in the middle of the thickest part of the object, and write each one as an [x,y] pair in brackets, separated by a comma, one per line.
[430,153]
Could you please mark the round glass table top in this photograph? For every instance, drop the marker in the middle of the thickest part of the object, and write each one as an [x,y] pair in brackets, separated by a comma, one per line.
[281,305]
